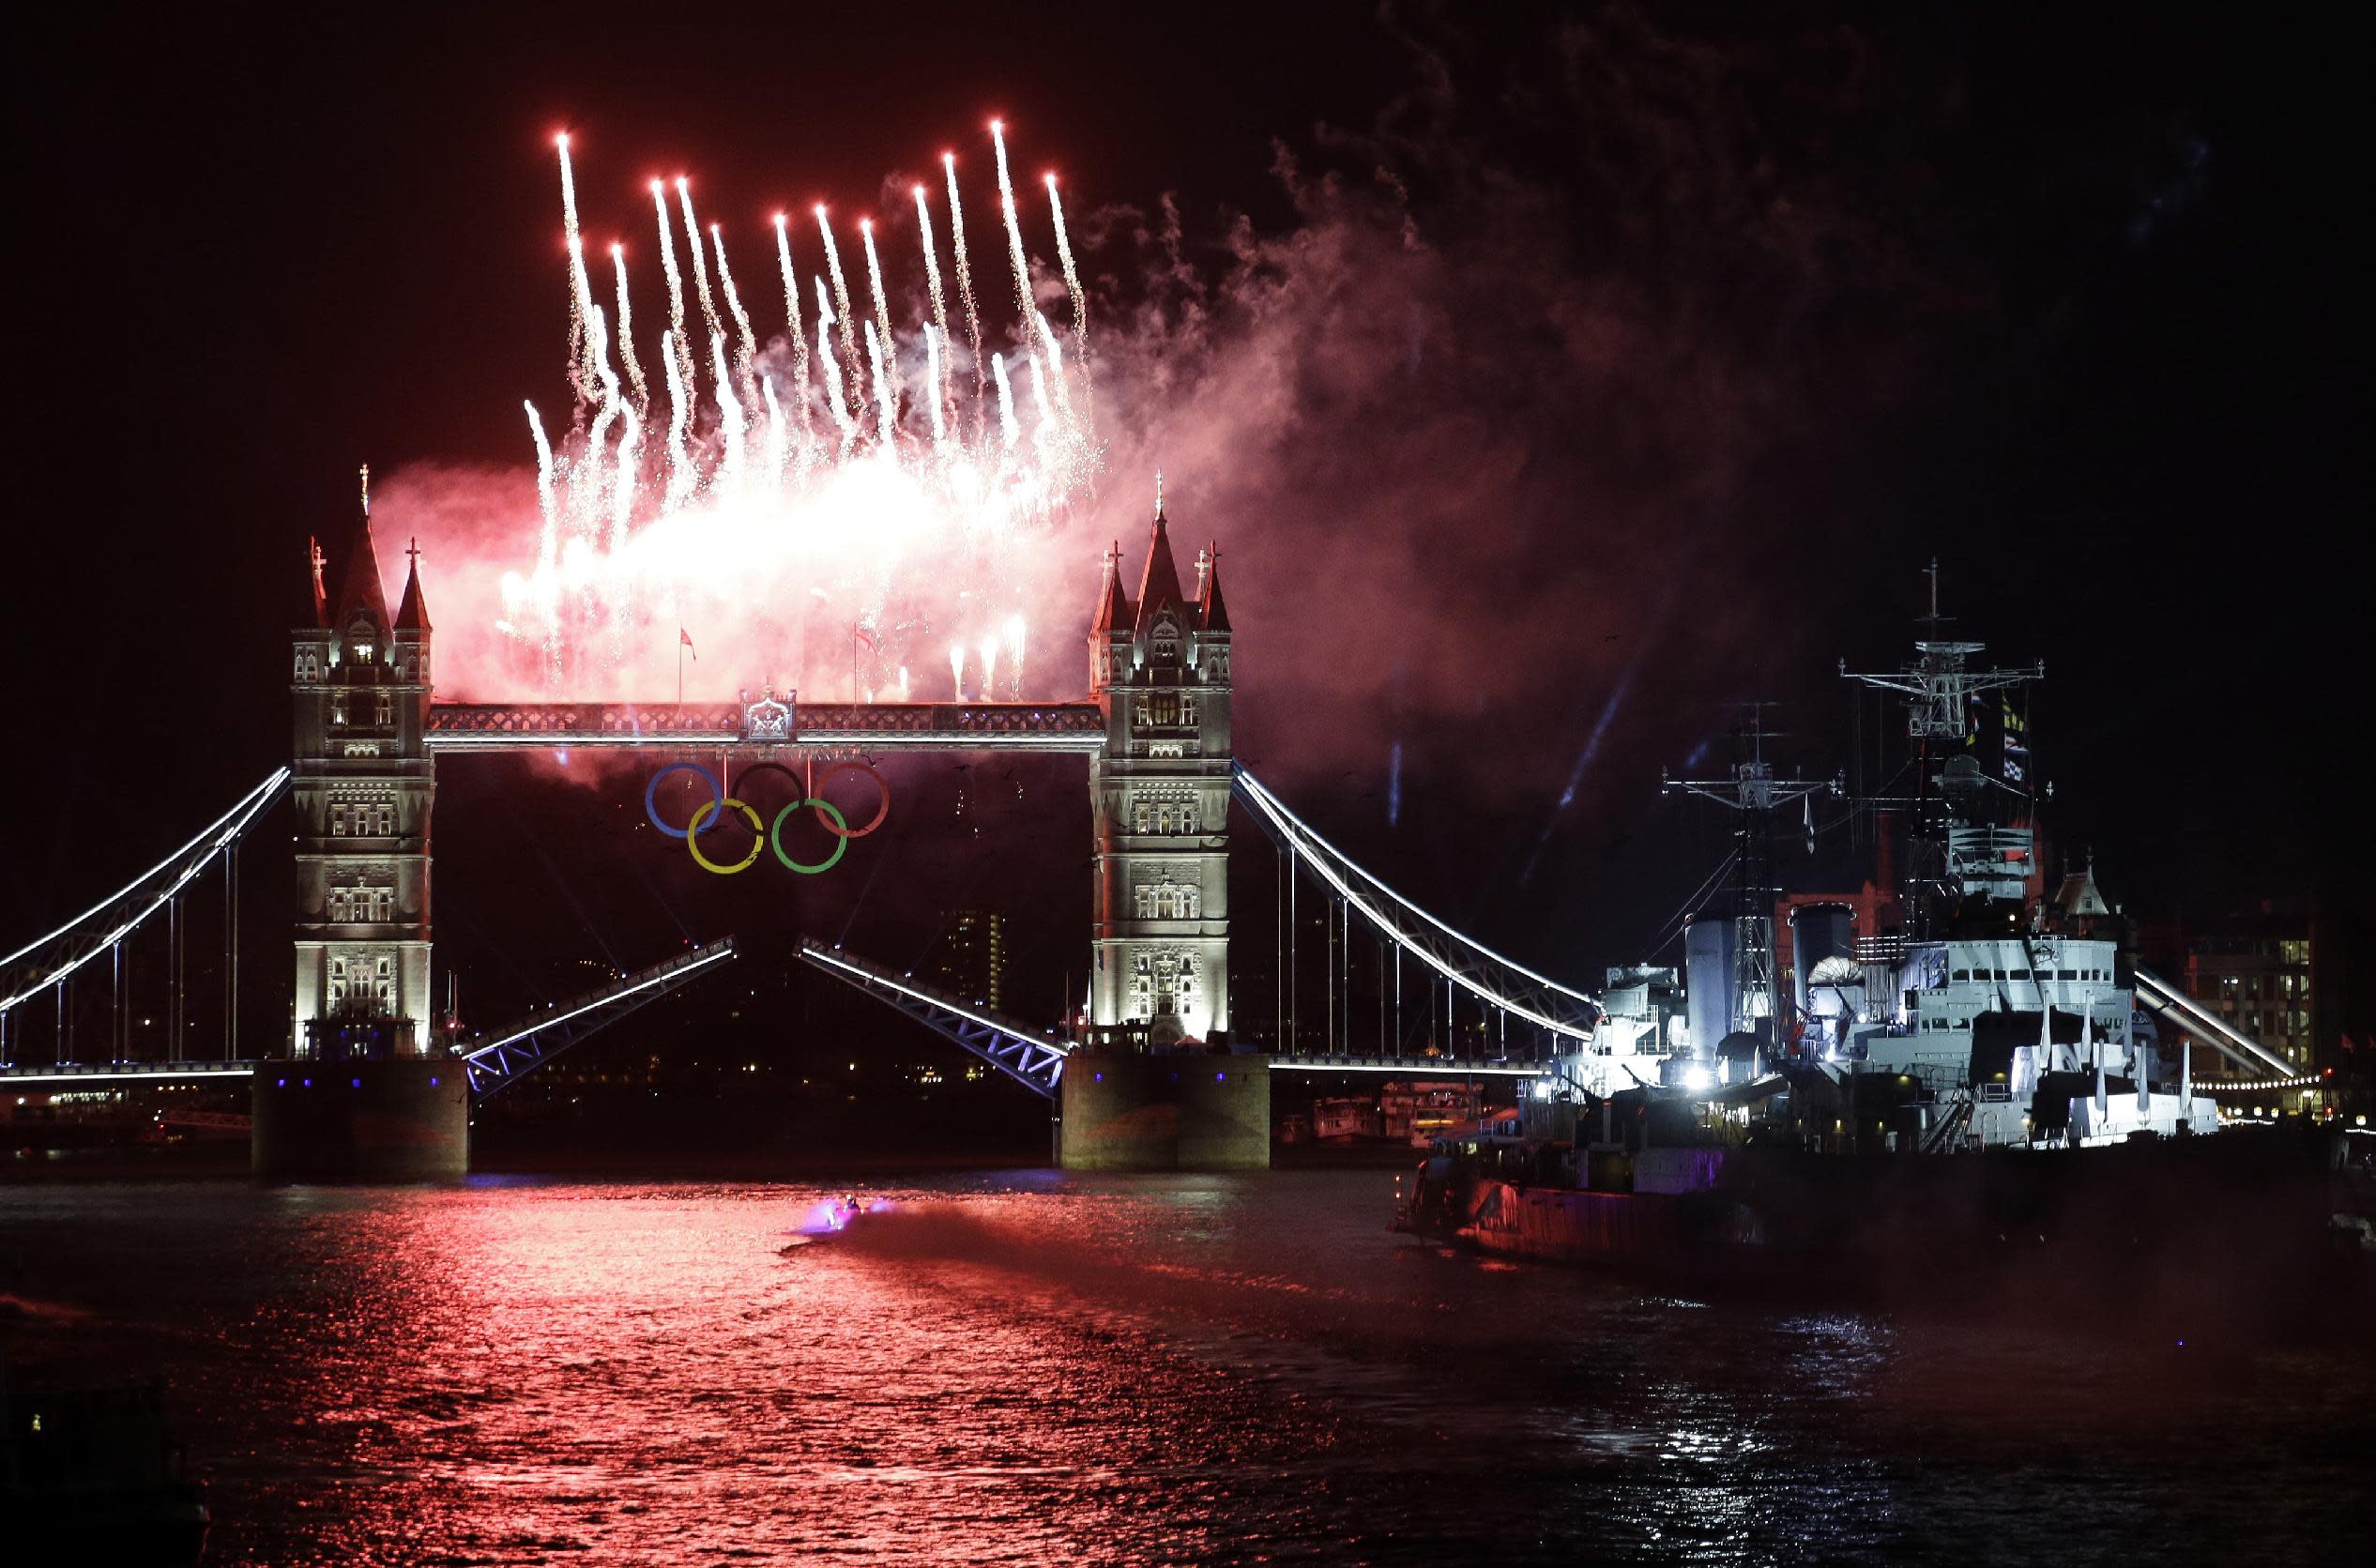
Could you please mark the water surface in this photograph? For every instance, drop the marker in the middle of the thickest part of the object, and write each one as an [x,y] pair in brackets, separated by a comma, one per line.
[1037,1368]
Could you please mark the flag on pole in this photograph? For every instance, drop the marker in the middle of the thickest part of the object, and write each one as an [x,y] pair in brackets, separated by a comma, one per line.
[685,638]
[862,634]
[2017,744]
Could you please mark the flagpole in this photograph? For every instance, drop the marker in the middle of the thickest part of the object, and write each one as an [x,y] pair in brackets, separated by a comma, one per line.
[680,669]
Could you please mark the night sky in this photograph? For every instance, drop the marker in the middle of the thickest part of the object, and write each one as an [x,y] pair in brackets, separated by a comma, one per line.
[1634,363]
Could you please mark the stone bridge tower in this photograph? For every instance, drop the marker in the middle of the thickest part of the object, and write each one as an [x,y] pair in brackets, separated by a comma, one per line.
[1160,802]
[362,787]
[362,1090]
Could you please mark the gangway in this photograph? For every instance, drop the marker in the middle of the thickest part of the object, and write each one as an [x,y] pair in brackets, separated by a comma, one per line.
[527,1045]
[1496,980]
[1032,1057]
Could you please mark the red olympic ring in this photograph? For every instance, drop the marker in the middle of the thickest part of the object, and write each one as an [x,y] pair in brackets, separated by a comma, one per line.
[881,811]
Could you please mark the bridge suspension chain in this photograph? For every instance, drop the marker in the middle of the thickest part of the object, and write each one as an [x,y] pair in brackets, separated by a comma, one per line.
[1465,963]
[51,959]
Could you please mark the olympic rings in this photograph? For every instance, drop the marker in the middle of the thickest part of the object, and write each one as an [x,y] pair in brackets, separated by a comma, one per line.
[770,835]
[838,827]
[844,830]
[651,792]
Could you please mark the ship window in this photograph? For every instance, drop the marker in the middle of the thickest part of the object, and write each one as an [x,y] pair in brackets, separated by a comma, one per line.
[2020,974]
[1963,974]
[2070,974]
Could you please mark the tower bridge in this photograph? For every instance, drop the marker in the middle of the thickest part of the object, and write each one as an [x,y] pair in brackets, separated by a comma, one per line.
[367,1082]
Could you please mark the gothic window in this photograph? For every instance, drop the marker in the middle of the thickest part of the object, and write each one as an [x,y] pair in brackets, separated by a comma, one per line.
[383,901]
[1164,643]
[382,709]
[338,907]
[338,984]
[338,708]
[1187,711]
[338,822]
[1146,902]
[383,820]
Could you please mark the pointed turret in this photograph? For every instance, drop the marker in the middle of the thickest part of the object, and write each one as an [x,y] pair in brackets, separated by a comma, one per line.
[412,614]
[318,600]
[1159,588]
[1112,609]
[358,589]
[1215,615]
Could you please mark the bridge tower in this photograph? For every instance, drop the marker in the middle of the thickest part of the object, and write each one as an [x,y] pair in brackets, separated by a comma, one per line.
[1154,1086]
[1160,800]
[360,1090]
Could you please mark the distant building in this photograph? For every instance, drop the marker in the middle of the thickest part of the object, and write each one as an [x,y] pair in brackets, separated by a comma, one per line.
[972,958]
[2258,975]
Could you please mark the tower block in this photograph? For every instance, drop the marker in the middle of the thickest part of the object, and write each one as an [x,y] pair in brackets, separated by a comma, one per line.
[1155,1088]
[362,1090]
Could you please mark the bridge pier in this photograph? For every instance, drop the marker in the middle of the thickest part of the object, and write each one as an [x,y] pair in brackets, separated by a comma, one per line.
[1164,1110]
[402,1118]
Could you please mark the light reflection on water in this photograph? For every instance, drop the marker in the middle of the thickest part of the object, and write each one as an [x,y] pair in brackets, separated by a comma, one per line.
[1031,1368]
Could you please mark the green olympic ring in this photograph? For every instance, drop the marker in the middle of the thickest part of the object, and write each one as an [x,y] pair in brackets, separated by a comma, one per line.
[840,829]
[750,815]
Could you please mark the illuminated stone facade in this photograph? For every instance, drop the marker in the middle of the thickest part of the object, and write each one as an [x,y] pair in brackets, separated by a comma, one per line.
[1159,800]
[362,788]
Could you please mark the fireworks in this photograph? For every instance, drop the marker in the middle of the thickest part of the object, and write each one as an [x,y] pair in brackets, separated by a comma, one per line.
[904,505]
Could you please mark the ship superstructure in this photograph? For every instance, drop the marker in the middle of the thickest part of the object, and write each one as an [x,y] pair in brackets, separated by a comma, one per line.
[2009,1013]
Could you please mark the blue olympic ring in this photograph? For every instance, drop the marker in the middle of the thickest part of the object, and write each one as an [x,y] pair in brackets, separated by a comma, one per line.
[717,795]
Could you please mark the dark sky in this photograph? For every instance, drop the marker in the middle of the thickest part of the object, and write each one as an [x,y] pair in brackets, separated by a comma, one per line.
[1749,310]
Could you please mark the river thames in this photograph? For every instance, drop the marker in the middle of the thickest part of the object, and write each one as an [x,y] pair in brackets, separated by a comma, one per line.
[1031,1368]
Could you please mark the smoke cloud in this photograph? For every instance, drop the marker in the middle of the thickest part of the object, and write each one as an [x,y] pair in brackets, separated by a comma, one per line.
[1479,441]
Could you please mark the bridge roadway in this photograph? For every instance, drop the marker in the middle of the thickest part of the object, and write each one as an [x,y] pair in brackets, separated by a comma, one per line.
[1077,728]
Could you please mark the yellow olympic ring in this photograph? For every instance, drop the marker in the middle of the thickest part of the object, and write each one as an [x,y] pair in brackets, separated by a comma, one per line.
[695,828]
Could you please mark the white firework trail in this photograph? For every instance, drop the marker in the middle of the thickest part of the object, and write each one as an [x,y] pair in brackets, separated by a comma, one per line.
[731,423]
[932,375]
[965,271]
[700,267]
[775,431]
[886,415]
[627,337]
[1005,401]
[748,348]
[889,389]
[582,375]
[592,471]
[837,396]
[548,544]
[683,361]
[1073,286]
[868,516]
[957,668]
[1014,229]
[939,300]
[1032,323]
[1045,433]
[792,311]
[681,473]
[631,444]
[841,311]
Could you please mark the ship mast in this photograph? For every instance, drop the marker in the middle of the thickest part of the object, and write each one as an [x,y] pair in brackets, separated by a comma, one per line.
[1941,688]
[1752,794]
